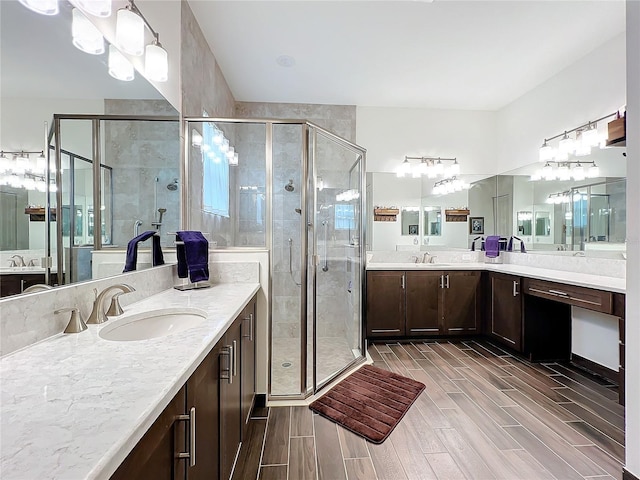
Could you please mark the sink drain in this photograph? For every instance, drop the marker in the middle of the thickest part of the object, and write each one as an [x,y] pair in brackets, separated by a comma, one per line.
[286,364]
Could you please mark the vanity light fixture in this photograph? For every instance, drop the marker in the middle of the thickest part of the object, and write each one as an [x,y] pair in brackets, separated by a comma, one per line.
[43,7]
[449,185]
[97,8]
[22,172]
[566,171]
[85,35]
[429,166]
[578,141]
[120,67]
[130,24]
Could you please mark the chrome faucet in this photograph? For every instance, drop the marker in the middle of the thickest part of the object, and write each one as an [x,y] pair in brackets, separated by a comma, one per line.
[98,314]
[424,258]
[20,262]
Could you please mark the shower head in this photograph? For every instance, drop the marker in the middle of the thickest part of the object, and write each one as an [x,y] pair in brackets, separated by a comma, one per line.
[173,186]
[289,186]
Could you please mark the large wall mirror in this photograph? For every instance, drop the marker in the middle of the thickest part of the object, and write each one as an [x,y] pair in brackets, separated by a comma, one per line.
[139,160]
[548,215]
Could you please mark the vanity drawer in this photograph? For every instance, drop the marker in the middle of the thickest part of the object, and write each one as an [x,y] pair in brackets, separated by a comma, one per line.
[588,298]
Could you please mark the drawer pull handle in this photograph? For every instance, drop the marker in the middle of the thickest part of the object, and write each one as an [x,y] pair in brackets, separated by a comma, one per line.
[447,277]
[250,320]
[515,288]
[225,372]
[385,330]
[559,292]
[402,281]
[235,358]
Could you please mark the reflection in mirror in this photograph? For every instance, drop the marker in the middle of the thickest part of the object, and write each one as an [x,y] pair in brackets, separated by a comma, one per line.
[410,220]
[432,221]
[543,224]
[39,82]
[524,223]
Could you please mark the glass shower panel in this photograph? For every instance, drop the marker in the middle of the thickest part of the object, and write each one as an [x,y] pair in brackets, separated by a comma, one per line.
[336,189]
[287,258]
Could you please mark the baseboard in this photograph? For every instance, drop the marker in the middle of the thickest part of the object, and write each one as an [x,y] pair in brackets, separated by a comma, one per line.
[594,367]
[627,475]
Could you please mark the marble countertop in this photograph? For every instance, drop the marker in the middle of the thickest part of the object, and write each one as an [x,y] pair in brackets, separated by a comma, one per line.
[73,406]
[612,284]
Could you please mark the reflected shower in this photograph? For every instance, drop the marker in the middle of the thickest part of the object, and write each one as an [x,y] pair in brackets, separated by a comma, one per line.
[173,186]
[289,186]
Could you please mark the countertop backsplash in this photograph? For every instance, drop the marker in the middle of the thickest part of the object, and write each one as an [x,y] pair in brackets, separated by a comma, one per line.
[29,318]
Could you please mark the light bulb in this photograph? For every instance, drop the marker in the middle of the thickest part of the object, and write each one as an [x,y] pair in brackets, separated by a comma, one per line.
[422,168]
[130,32]
[43,7]
[156,63]
[119,66]
[594,171]
[439,168]
[218,137]
[546,152]
[5,163]
[577,172]
[196,138]
[590,136]
[547,172]
[234,163]
[224,147]
[21,164]
[454,168]
[86,36]
[41,163]
[230,153]
[97,8]
[563,172]
[567,144]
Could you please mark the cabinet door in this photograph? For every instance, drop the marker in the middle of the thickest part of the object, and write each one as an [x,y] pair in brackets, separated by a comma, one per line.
[155,455]
[247,365]
[230,400]
[461,302]
[423,297]
[385,304]
[505,309]
[203,396]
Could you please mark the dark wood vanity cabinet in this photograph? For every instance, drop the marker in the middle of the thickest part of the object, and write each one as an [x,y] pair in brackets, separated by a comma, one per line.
[198,434]
[248,318]
[385,304]
[422,303]
[504,308]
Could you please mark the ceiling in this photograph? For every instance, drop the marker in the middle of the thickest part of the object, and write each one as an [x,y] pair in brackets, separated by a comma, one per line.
[473,55]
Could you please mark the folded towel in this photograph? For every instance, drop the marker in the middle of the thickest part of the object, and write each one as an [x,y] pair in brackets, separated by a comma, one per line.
[492,246]
[132,251]
[510,245]
[193,255]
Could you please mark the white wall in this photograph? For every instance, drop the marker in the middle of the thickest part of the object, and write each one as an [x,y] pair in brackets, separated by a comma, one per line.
[389,134]
[590,88]
[633,241]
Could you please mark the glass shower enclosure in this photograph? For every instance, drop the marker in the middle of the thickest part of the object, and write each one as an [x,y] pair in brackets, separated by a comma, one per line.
[295,189]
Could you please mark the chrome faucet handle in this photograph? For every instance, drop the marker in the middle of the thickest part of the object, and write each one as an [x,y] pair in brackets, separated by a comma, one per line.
[98,314]
[115,308]
[76,322]
[12,263]
[432,258]
[32,263]
[415,258]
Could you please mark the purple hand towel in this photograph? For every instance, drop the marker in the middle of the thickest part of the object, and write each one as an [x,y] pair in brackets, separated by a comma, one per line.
[492,246]
[193,256]
[132,251]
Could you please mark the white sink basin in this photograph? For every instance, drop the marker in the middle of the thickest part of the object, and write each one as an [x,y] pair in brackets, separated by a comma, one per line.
[152,324]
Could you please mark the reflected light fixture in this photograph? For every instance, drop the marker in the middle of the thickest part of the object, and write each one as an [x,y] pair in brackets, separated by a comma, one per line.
[130,31]
[86,36]
[156,62]
[43,7]
[97,8]
[429,166]
[119,66]
[546,152]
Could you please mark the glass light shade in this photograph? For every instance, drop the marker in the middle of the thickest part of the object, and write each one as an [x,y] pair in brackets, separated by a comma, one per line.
[415,172]
[454,169]
[156,63]
[230,153]
[590,136]
[547,172]
[41,163]
[29,183]
[5,164]
[97,8]
[41,186]
[546,152]
[21,164]
[43,7]
[119,66]
[594,171]
[566,145]
[234,163]
[563,172]
[196,138]
[224,146]
[561,156]
[86,36]
[130,32]
[439,167]
[422,168]
[582,147]
[218,137]
[577,172]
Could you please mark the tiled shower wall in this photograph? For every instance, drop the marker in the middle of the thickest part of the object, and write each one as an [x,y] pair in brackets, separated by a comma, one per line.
[139,153]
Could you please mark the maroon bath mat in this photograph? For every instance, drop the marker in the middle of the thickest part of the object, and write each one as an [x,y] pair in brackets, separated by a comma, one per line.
[370,402]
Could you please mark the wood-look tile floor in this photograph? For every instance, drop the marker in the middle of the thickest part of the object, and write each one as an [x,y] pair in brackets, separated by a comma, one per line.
[485,414]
